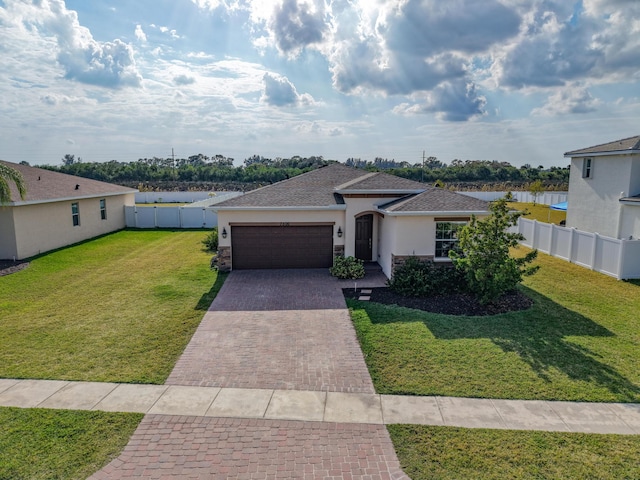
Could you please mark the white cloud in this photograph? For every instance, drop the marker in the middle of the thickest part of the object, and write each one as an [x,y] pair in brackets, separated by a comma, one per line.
[139,33]
[107,64]
[183,79]
[568,100]
[280,92]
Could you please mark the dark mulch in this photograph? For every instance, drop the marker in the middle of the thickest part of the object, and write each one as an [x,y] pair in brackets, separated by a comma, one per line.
[9,266]
[451,304]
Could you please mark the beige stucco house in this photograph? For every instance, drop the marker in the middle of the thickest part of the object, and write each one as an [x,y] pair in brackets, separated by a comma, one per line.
[59,210]
[604,189]
[304,221]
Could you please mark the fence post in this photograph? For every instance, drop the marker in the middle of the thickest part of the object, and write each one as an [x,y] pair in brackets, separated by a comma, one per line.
[180,216]
[534,240]
[135,216]
[620,275]
[594,250]
[155,216]
[551,240]
[573,232]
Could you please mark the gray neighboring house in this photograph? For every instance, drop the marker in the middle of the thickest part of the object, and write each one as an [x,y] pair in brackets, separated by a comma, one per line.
[604,189]
[59,210]
[304,221]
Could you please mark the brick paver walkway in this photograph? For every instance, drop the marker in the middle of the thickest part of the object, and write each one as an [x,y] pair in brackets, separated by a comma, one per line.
[215,448]
[266,329]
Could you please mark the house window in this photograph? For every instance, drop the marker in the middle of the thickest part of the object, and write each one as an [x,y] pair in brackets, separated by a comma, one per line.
[587,168]
[103,209]
[447,237]
[75,214]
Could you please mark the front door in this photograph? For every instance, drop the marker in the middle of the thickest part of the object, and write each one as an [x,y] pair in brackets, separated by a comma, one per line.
[364,237]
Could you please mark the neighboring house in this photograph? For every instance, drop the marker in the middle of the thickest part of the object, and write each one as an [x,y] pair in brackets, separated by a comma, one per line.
[58,210]
[604,189]
[304,221]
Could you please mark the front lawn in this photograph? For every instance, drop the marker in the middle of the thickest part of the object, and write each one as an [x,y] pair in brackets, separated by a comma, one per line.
[539,212]
[120,308]
[60,444]
[580,341]
[454,453]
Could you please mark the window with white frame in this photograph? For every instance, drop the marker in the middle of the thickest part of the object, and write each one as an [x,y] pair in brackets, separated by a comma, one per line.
[447,237]
[75,214]
[103,209]
[587,168]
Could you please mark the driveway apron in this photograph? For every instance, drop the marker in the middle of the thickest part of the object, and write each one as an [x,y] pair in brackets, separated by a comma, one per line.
[266,329]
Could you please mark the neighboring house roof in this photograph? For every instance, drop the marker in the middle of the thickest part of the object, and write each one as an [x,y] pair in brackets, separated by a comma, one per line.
[437,200]
[323,189]
[624,146]
[45,186]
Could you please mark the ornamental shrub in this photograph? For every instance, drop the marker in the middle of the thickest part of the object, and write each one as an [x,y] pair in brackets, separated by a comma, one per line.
[347,268]
[484,254]
[418,278]
[210,242]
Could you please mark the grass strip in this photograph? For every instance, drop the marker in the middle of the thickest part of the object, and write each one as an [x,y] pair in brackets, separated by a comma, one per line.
[427,452]
[60,444]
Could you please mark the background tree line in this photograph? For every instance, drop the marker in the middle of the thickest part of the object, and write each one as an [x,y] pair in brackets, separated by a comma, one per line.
[201,172]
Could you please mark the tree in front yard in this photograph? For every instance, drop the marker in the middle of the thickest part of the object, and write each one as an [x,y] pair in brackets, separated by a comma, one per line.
[484,254]
[536,189]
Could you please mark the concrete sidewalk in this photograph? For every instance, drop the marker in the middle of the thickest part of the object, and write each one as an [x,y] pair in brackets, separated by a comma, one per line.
[328,407]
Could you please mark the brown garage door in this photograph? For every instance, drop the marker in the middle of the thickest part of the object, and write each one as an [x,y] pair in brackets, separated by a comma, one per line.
[294,246]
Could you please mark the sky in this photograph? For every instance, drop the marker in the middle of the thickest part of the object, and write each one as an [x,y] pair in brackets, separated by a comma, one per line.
[520,81]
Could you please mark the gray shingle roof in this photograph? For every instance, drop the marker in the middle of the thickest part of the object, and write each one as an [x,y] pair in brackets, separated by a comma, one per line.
[626,144]
[47,186]
[312,189]
[319,188]
[384,181]
[437,200]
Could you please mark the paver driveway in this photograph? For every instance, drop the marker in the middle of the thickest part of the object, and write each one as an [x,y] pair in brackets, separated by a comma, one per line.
[266,329]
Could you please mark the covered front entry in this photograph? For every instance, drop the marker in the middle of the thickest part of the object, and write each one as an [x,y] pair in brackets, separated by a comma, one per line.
[281,246]
[364,237]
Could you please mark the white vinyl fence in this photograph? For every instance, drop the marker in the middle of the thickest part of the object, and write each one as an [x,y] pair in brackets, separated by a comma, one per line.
[169,217]
[546,198]
[617,258]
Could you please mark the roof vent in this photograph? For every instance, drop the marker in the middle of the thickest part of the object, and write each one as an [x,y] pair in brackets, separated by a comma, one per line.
[77,187]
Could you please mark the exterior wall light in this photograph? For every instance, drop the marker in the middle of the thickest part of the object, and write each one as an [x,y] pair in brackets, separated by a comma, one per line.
[339,232]
[224,232]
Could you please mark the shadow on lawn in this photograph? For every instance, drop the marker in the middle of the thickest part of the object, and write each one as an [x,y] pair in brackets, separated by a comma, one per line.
[538,336]
[207,299]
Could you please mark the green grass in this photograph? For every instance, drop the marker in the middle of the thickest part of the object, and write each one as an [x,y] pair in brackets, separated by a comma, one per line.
[120,308]
[580,341]
[60,444]
[455,453]
[541,213]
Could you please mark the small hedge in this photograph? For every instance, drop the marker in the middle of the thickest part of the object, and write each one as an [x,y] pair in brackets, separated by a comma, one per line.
[347,268]
[210,242]
[417,278]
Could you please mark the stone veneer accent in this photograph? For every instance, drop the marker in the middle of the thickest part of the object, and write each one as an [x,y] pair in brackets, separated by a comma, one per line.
[338,250]
[223,259]
[398,260]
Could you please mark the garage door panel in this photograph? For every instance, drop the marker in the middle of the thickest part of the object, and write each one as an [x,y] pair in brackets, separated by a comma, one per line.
[295,246]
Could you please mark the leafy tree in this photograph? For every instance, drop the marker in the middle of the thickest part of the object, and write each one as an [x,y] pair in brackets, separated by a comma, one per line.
[68,159]
[8,174]
[484,253]
[535,189]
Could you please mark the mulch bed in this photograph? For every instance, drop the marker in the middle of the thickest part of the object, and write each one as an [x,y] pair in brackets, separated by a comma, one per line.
[451,304]
[9,266]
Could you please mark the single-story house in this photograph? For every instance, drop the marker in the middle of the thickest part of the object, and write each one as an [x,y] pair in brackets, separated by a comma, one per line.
[304,221]
[58,210]
[604,189]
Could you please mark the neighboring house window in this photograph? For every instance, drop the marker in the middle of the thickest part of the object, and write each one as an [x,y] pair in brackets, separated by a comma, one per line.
[587,168]
[103,209]
[447,237]
[75,214]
